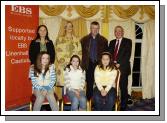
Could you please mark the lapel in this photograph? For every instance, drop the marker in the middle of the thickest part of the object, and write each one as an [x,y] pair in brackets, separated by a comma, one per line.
[112,46]
[114,42]
[121,48]
[88,43]
[37,46]
[98,42]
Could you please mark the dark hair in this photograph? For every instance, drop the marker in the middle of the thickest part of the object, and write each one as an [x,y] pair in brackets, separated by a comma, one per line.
[111,63]
[37,33]
[38,64]
[74,56]
[95,23]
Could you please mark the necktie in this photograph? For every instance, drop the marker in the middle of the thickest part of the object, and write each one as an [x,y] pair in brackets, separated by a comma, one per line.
[116,50]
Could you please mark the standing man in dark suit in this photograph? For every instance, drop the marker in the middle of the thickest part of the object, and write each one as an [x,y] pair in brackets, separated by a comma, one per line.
[93,45]
[121,48]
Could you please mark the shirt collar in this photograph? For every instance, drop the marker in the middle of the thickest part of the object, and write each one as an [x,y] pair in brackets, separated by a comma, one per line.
[119,39]
[92,36]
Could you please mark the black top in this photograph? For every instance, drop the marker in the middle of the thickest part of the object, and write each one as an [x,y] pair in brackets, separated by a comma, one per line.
[34,50]
[124,54]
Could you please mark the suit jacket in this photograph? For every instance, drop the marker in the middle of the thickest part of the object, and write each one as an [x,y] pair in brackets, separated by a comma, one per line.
[102,45]
[34,50]
[124,54]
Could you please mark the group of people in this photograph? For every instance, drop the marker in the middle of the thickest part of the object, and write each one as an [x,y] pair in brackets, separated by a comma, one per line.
[74,63]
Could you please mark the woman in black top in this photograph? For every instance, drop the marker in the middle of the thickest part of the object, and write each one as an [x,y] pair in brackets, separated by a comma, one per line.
[41,43]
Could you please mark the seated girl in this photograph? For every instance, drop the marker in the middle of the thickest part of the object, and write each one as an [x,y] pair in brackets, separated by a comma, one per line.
[105,75]
[74,83]
[43,79]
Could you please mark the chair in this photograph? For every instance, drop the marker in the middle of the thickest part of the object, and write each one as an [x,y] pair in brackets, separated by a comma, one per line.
[66,101]
[117,101]
[45,102]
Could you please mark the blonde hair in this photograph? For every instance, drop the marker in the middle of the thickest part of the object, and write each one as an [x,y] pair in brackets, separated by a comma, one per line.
[65,26]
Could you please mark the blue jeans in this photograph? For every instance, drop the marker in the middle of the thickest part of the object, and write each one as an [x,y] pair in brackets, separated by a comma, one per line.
[99,100]
[77,102]
[40,98]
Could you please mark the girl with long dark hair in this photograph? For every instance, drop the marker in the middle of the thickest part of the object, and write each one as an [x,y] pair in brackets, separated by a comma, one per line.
[43,78]
[74,83]
[104,94]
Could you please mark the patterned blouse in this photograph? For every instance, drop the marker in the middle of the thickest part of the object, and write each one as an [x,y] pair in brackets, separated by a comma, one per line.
[64,49]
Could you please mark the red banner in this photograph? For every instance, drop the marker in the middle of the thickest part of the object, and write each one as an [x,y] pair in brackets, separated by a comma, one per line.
[21,22]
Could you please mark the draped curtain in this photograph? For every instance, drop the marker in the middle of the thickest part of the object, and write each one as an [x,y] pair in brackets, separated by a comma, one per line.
[85,11]
[125,13]
[89,11]
[53,25]
[52,10]
[132,10]
[148,60]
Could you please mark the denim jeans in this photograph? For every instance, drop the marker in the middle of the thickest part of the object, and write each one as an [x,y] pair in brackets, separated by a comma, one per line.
[77,102]
[109,99]
[40,98]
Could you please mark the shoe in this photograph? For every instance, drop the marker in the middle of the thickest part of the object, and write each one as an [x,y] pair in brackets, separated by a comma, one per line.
[130,102]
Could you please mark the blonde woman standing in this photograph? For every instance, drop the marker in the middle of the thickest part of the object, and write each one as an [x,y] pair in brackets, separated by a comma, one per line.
[66,46]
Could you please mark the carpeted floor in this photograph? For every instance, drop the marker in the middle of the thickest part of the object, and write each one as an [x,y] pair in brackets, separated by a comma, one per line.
[142,105]
[137,105]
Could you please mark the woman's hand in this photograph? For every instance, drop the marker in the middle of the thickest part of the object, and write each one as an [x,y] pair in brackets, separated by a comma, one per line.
[77,93]
[44,92]
[103,92]
[117,65]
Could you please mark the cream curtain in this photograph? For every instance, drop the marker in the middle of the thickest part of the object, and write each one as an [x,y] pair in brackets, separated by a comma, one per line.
[53,25]
[129,32]
[147,64]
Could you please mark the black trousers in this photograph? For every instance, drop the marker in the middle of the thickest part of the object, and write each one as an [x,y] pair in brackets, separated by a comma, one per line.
[90,79]
[124,89]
